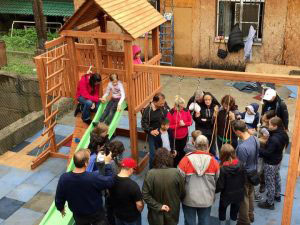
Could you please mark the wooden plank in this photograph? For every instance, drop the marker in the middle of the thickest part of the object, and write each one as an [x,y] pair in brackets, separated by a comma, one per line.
[58,41]
[125,7]
[51,116]
[146,29]
[293,168]
[53,88]
[154,60]
[46,141]
[65,141]
[147,100]
[95,34]
[42,158]
[90,26]
[104,70]
[146,47]
[51,127]
[55,59]
[73,61]
[40,70]
[155,41]
[142,23]
[58,155]
[99,65]
[55,73]
[219,74]
[143,163]
[131,13]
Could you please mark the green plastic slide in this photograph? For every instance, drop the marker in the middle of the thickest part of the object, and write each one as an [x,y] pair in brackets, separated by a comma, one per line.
[53,216]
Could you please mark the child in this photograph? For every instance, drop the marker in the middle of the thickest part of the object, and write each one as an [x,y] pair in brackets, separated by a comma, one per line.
[136,50]
[165,137]
[230,183]
[190,146]
[251,115]
[118,95]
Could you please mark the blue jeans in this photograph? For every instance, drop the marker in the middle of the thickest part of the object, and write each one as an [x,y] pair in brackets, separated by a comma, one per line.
[86,111]
[121,222]
[151,150]
[190,215]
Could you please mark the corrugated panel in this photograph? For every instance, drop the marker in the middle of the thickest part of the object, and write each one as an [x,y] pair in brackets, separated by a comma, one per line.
[50,7]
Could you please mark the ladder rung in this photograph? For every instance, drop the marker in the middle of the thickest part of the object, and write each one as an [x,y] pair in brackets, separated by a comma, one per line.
[46,141]
[55,73]
[51,116]
[53,101]
[53,88]
[49,128]
[55,59]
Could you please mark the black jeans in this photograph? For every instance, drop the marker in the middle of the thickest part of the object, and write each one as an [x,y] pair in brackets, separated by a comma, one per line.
[97,218]
[109,111]
[234,210]
[179,147]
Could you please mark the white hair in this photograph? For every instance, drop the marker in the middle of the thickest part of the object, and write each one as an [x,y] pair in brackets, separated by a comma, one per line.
[201,143]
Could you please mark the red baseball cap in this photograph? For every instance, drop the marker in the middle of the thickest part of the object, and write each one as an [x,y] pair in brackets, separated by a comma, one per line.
[129,163]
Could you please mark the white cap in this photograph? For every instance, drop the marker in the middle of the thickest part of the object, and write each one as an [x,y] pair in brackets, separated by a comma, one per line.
[194,107]
[270,93]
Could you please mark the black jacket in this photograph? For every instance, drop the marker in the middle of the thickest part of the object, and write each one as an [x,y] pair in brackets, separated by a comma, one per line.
[280,108]
[158,141]
[231,183]
[151,120]
[205,122]
[192,99]
[272,153]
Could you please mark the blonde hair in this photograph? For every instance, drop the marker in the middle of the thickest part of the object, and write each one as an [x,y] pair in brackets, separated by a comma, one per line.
[100,129]
[201,143]
[113,77]
[179,101]
[195,134]
[227,153]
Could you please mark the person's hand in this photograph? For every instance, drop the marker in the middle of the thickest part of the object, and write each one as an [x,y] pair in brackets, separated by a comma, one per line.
[102,100]
[107,158]
[119,108]
[197,114]
[63,212]
[231,116]
[165,208]
[93,106]
[154,132]
[181,123]
[216,109]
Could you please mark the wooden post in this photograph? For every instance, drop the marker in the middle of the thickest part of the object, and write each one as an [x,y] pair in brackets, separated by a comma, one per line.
[40,24]
[73,60]
[128,59]
[146,47]
[293,168]
[99,65]
[155,41]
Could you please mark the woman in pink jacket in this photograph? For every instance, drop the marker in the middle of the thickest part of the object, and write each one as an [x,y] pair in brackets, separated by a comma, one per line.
[88,95]
[136,51]
[180,119]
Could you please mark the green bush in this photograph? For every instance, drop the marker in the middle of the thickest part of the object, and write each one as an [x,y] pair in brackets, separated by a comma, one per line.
[24,40]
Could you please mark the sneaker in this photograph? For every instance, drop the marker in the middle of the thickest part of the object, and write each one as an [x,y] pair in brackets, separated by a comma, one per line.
[266,205]
[262,188]
[278,199]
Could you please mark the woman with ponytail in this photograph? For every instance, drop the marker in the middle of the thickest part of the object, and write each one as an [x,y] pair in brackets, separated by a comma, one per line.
[180,119]
[88,95]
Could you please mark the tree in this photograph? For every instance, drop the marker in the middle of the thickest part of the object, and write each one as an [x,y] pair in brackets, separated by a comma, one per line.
[40,25]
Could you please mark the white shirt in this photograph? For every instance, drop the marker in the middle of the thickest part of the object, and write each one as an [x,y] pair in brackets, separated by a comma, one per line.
[165,140]
[116,91]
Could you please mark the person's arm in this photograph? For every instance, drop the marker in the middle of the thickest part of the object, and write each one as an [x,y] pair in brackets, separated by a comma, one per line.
[122,93]
[139,205]
[107,91]
[106,181]
[147,194]
[221,182]
[83,87]
[285,115]
[189,120]
[145,120]
[60,198]
[270,148]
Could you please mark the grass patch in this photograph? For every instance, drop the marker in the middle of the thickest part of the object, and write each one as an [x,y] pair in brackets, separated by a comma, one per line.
[20,65]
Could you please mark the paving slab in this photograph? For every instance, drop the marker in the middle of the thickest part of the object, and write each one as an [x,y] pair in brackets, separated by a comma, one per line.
[51,187]
[40,202]
[8,206]
[24,192]
[23,217]
[15,176]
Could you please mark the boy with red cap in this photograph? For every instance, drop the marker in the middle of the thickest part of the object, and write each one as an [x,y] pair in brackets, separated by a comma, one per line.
[126,196]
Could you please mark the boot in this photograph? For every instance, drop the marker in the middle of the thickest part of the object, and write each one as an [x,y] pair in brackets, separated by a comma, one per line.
[222,222]
[232,222]
[266,205]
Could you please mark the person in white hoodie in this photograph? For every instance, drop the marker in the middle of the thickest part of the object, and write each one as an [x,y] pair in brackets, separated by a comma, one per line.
[115,87]
[201,172]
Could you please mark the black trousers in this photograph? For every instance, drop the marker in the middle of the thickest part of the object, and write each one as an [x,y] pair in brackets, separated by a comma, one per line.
[97,218]
[234,210]
[179,147]
[109,111]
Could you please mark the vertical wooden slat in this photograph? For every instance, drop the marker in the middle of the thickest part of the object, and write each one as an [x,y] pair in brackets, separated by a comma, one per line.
[98,61]
[131,104]
[73,59]
[146,48]
[155,41]
[293,167]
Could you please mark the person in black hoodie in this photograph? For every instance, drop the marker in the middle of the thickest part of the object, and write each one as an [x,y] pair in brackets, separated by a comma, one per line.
[272,155]
[198,99]
[230,183]
[273,102]
[205,119]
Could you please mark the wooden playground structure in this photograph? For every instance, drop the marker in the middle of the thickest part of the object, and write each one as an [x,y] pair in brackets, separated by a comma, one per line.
[83,43]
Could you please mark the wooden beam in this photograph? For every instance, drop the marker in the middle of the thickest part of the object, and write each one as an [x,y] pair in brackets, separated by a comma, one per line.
[154,60]
[41,158]
[73,61]
[96,34]
[293,168]
[64,141]
[126,133]
[98,59]
[90,26]
[55,42]
[143,163]
[146,47]
[219,74]
[40,70]
[59,155]
[155,41]
[104,70]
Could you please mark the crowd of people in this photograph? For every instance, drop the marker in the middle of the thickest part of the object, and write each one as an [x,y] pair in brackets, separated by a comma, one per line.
[229,152]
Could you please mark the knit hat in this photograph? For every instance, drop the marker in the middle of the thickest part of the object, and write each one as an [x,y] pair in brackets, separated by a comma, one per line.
[129,163]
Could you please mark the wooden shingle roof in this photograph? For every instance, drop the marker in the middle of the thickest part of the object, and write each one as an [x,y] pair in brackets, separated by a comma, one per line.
[135,17]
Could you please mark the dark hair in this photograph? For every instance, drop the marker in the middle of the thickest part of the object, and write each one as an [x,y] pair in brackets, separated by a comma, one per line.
[97,140]
[162,159]
[277,122]
[230,101]
[81,157]
[158,96]
[239,125]
[116,148]
[94,78]
[165,121]
[270,114]
[113,77]
[227,153]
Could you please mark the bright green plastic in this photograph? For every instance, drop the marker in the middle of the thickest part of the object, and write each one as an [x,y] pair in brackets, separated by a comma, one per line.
[53,216]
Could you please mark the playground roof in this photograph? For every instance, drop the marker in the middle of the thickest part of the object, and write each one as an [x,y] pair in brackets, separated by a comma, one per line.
[136,17]
[50,7]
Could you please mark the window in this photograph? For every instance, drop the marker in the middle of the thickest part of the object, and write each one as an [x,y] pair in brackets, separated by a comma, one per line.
[244,12]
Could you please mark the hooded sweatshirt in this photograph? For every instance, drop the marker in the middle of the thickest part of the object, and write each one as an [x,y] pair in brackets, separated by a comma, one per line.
[85,90]
[251,120]
[174,116]
[201,172]
[135,50]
